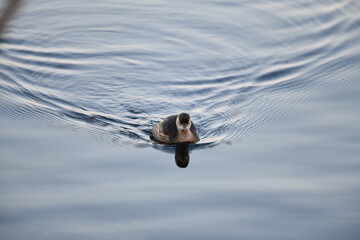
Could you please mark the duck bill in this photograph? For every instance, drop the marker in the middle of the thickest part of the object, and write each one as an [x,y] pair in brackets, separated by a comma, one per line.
[184,128]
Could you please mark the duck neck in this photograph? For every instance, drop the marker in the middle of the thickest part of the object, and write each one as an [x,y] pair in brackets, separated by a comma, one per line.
[183,132]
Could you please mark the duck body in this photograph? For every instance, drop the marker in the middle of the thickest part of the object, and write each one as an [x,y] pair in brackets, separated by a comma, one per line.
[176,129]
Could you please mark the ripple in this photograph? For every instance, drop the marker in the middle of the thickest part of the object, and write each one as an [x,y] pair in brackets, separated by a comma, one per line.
[279,75]
[118,71]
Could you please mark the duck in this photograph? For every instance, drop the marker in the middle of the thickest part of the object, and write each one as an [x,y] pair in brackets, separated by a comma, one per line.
[175,129]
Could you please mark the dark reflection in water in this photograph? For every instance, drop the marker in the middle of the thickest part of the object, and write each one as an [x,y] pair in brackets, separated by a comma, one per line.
[7,12]
[180,151]
[182,156]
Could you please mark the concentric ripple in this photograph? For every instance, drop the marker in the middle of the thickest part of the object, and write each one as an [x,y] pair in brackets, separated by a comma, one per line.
[116,68]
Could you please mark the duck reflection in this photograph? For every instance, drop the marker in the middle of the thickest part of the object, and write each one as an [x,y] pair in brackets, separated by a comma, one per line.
[182,152]
[182,156]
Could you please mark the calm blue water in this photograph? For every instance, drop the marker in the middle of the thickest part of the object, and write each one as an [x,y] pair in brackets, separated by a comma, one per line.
[273,87]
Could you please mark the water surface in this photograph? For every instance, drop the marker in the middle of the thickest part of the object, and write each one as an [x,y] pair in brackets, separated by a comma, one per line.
[272,86]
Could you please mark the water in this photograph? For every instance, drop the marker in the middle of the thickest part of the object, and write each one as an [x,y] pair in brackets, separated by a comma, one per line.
[271,85]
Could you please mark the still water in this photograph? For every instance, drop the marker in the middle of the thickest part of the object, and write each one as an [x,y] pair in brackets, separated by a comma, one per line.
[273,87]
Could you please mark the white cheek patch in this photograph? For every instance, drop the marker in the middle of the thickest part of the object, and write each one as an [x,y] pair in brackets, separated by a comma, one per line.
[178,125]
[188,125]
